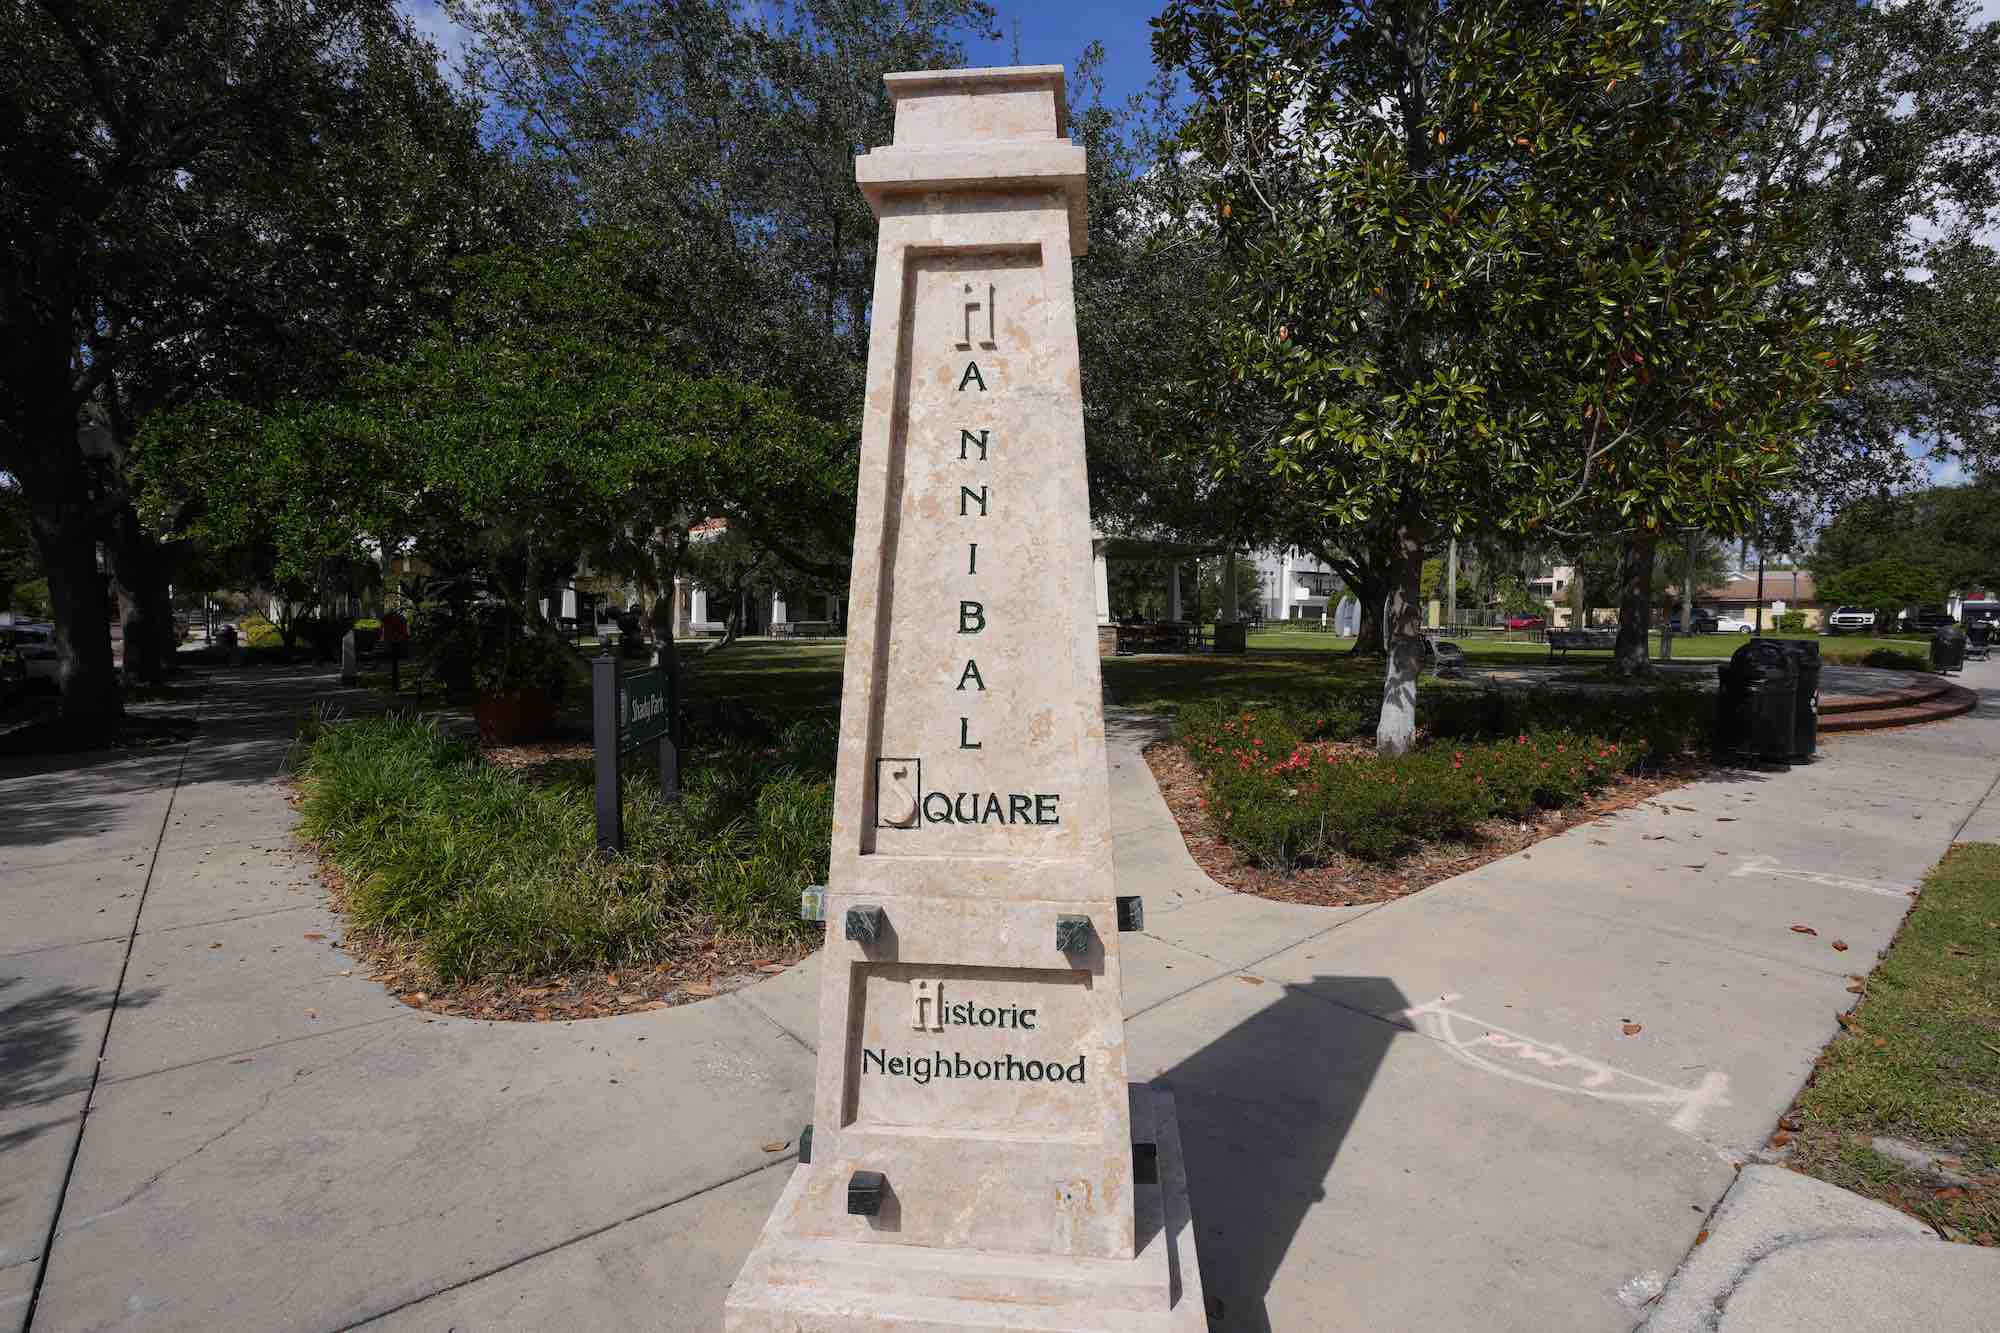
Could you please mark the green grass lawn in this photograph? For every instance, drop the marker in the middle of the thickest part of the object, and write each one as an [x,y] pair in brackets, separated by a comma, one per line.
[1480,647]
[1919,1060]
[803,679]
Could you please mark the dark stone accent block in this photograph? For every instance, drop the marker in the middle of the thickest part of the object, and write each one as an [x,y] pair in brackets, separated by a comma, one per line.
[864,1193]
[1073,934]
[1145,1163]
[806,1145]
[864,924]
[1131,914]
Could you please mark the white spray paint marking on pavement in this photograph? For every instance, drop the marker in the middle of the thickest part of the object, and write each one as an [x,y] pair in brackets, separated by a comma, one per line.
[1556,1068]
[1765,865]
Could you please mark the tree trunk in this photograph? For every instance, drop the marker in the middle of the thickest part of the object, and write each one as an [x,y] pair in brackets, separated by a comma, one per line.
[1635,605]
[1403,620]
[140,570]
[91,697]
[1368,637]
[1579,604]
[1687,584]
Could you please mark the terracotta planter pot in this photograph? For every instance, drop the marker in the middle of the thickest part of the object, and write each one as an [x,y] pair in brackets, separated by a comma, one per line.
[508,717]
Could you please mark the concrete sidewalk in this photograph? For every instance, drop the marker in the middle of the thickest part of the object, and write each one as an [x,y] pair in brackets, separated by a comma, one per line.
[1424,1115]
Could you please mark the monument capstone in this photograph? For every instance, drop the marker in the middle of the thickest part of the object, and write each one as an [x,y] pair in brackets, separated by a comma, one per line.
[977,1159]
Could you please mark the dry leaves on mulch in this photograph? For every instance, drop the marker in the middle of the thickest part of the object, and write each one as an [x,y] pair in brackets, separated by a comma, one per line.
[1348,881]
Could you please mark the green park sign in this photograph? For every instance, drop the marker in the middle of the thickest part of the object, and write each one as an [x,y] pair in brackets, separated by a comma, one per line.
[645,707]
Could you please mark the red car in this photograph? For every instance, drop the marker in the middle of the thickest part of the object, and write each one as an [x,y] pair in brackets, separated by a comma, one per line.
[1524,622]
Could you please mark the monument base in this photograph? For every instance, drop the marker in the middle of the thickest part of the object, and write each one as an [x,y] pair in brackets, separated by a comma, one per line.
[791,1283]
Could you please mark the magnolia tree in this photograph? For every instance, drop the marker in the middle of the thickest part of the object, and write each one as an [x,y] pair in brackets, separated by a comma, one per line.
[1461,238]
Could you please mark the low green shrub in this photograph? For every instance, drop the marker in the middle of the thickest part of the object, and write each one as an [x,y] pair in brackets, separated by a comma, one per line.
[1790,622]
[1287,804]
[496,875]
[259,632]
[1896,660]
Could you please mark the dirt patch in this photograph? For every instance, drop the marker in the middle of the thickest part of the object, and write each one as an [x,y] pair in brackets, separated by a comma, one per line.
[1348,881]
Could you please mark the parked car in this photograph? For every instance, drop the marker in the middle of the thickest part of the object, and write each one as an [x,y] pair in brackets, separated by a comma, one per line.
[1524,622]
[1927,619]
[1847,619]
[1701,622]
[36,644]
[1727,624]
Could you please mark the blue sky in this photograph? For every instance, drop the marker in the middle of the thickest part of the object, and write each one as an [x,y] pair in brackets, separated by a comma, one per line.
[1054,34]
[1050,34]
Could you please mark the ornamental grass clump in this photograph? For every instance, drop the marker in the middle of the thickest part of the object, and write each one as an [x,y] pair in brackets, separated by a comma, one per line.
[495,875]
[1289,796]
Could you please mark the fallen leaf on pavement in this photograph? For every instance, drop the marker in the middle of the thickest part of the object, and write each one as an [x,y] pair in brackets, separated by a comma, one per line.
[1804,930]
[1780,1139]
[1725,819]
[1857,988]
[1701,1237]
[1632,1029]
[698,988]
[1255,981]
[1841,945]
[1700,865]
[777,1147]
[314,935]
[1652,837]
[312,1013]
[772,968]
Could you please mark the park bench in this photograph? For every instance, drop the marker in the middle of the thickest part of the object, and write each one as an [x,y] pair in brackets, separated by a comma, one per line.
[1161,637]
[1444,658]
[804,629]
[1584,640]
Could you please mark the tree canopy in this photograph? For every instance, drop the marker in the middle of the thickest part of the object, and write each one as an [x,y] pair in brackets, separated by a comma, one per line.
[1485,271]
[545,417]
[200,200]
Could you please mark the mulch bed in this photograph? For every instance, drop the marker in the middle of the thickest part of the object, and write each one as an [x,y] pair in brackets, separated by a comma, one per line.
[1348,881]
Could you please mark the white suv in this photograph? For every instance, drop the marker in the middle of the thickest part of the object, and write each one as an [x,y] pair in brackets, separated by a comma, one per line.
[1848,618]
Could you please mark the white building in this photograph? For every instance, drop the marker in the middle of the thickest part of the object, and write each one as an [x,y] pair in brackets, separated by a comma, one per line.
[1296,585]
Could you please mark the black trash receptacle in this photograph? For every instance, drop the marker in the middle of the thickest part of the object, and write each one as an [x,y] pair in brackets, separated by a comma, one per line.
[1978,640]
[1948,650]
[1756,710]
[1805,709]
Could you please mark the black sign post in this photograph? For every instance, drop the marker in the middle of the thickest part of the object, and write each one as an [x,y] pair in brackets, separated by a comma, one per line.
[628,709]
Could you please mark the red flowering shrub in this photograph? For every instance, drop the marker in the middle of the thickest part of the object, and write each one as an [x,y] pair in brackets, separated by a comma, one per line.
[1285,804]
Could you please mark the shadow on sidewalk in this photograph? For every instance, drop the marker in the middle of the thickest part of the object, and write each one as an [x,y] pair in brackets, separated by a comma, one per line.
[1263,1111]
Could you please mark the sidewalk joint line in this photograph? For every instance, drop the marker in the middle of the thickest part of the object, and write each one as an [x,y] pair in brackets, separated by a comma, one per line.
[590,1234]
[1231,971]
[104,1042]
[1977,806]
[759,1011]
[240,1052]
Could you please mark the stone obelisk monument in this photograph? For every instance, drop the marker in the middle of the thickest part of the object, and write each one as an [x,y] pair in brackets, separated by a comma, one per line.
[977,1159]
